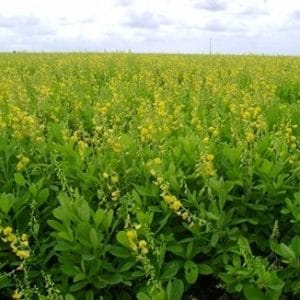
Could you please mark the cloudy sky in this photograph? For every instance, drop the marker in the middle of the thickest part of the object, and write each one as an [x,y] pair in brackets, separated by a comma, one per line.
[185,26]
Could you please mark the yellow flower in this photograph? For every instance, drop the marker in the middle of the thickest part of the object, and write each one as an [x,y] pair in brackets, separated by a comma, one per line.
[25,244]
[114,178]
[185,215]
[176,205]
[293,138]
[17,295]
[12,238]
[24,237]
[169,199]
[131,235]
[206,140]
[142,244]
[157,161]
[7,230]
[209,168]
[210,157]
[22,254]
[250,136]
[115,195]
[105,175]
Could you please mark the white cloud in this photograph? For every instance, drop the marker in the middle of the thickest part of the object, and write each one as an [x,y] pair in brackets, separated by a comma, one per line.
[211,5]
[262,26]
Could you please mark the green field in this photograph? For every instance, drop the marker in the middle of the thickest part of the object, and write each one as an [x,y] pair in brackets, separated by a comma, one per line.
[126,176]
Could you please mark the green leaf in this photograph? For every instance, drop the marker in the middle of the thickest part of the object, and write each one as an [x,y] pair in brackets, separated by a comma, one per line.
[36,228]
[69,297]
[19,179]
[63,246]
[4,282]
[190,271]
[212,216]
[214,239]
[84,211]
[162,223]
[94,238]
[79,277]
[95,267]
[287,252]
[204,269]
[68,269]
[143,296]
[189,250]
[122,239]
[33,189]
[89,295]
[128,265]
[175,289]
[6,202]
[120,252]
[99,216]
[169,270]
[176,249]
[43,195]
[56,225]
[112,279]
[238,287]
[275,283]
[253,293]
[295,245]
[108,219]
[64,235]
[78,286]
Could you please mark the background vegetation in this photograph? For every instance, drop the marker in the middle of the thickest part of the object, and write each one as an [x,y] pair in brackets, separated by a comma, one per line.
[149,176]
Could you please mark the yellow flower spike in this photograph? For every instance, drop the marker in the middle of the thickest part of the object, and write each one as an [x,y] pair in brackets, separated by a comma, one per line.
[246,115]
[114,178]
[24,237]
[206,140]
[7,230]
[12,238]
[215,133]
[13,247]
[22,254]
[152,172]
[293,138]
[176,205]
[137,226]
[142,244]
[105,175]
[20,267]
[250,136]
[157,161]
[115,195]
[185,215]
[17,295]
[25,244]
[131,235]
[169,199]
[144,251]
[210,157]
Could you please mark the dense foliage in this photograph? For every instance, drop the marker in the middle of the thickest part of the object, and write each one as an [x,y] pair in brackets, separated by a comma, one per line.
[127,176]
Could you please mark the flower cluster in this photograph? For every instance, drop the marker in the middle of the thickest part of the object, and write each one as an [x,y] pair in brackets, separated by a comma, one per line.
[18,245]
[205,166]
[138,246]
[112,184]
[23,162]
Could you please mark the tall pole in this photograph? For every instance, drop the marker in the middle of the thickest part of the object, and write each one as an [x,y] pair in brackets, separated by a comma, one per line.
[210,46]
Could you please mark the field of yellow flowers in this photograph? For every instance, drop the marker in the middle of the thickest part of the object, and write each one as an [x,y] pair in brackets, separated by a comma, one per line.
[165,177]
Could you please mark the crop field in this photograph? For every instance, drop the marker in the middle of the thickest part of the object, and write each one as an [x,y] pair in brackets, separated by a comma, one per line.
[164,177]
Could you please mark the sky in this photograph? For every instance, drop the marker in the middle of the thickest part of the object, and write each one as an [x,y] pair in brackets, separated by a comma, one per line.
[176,26]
